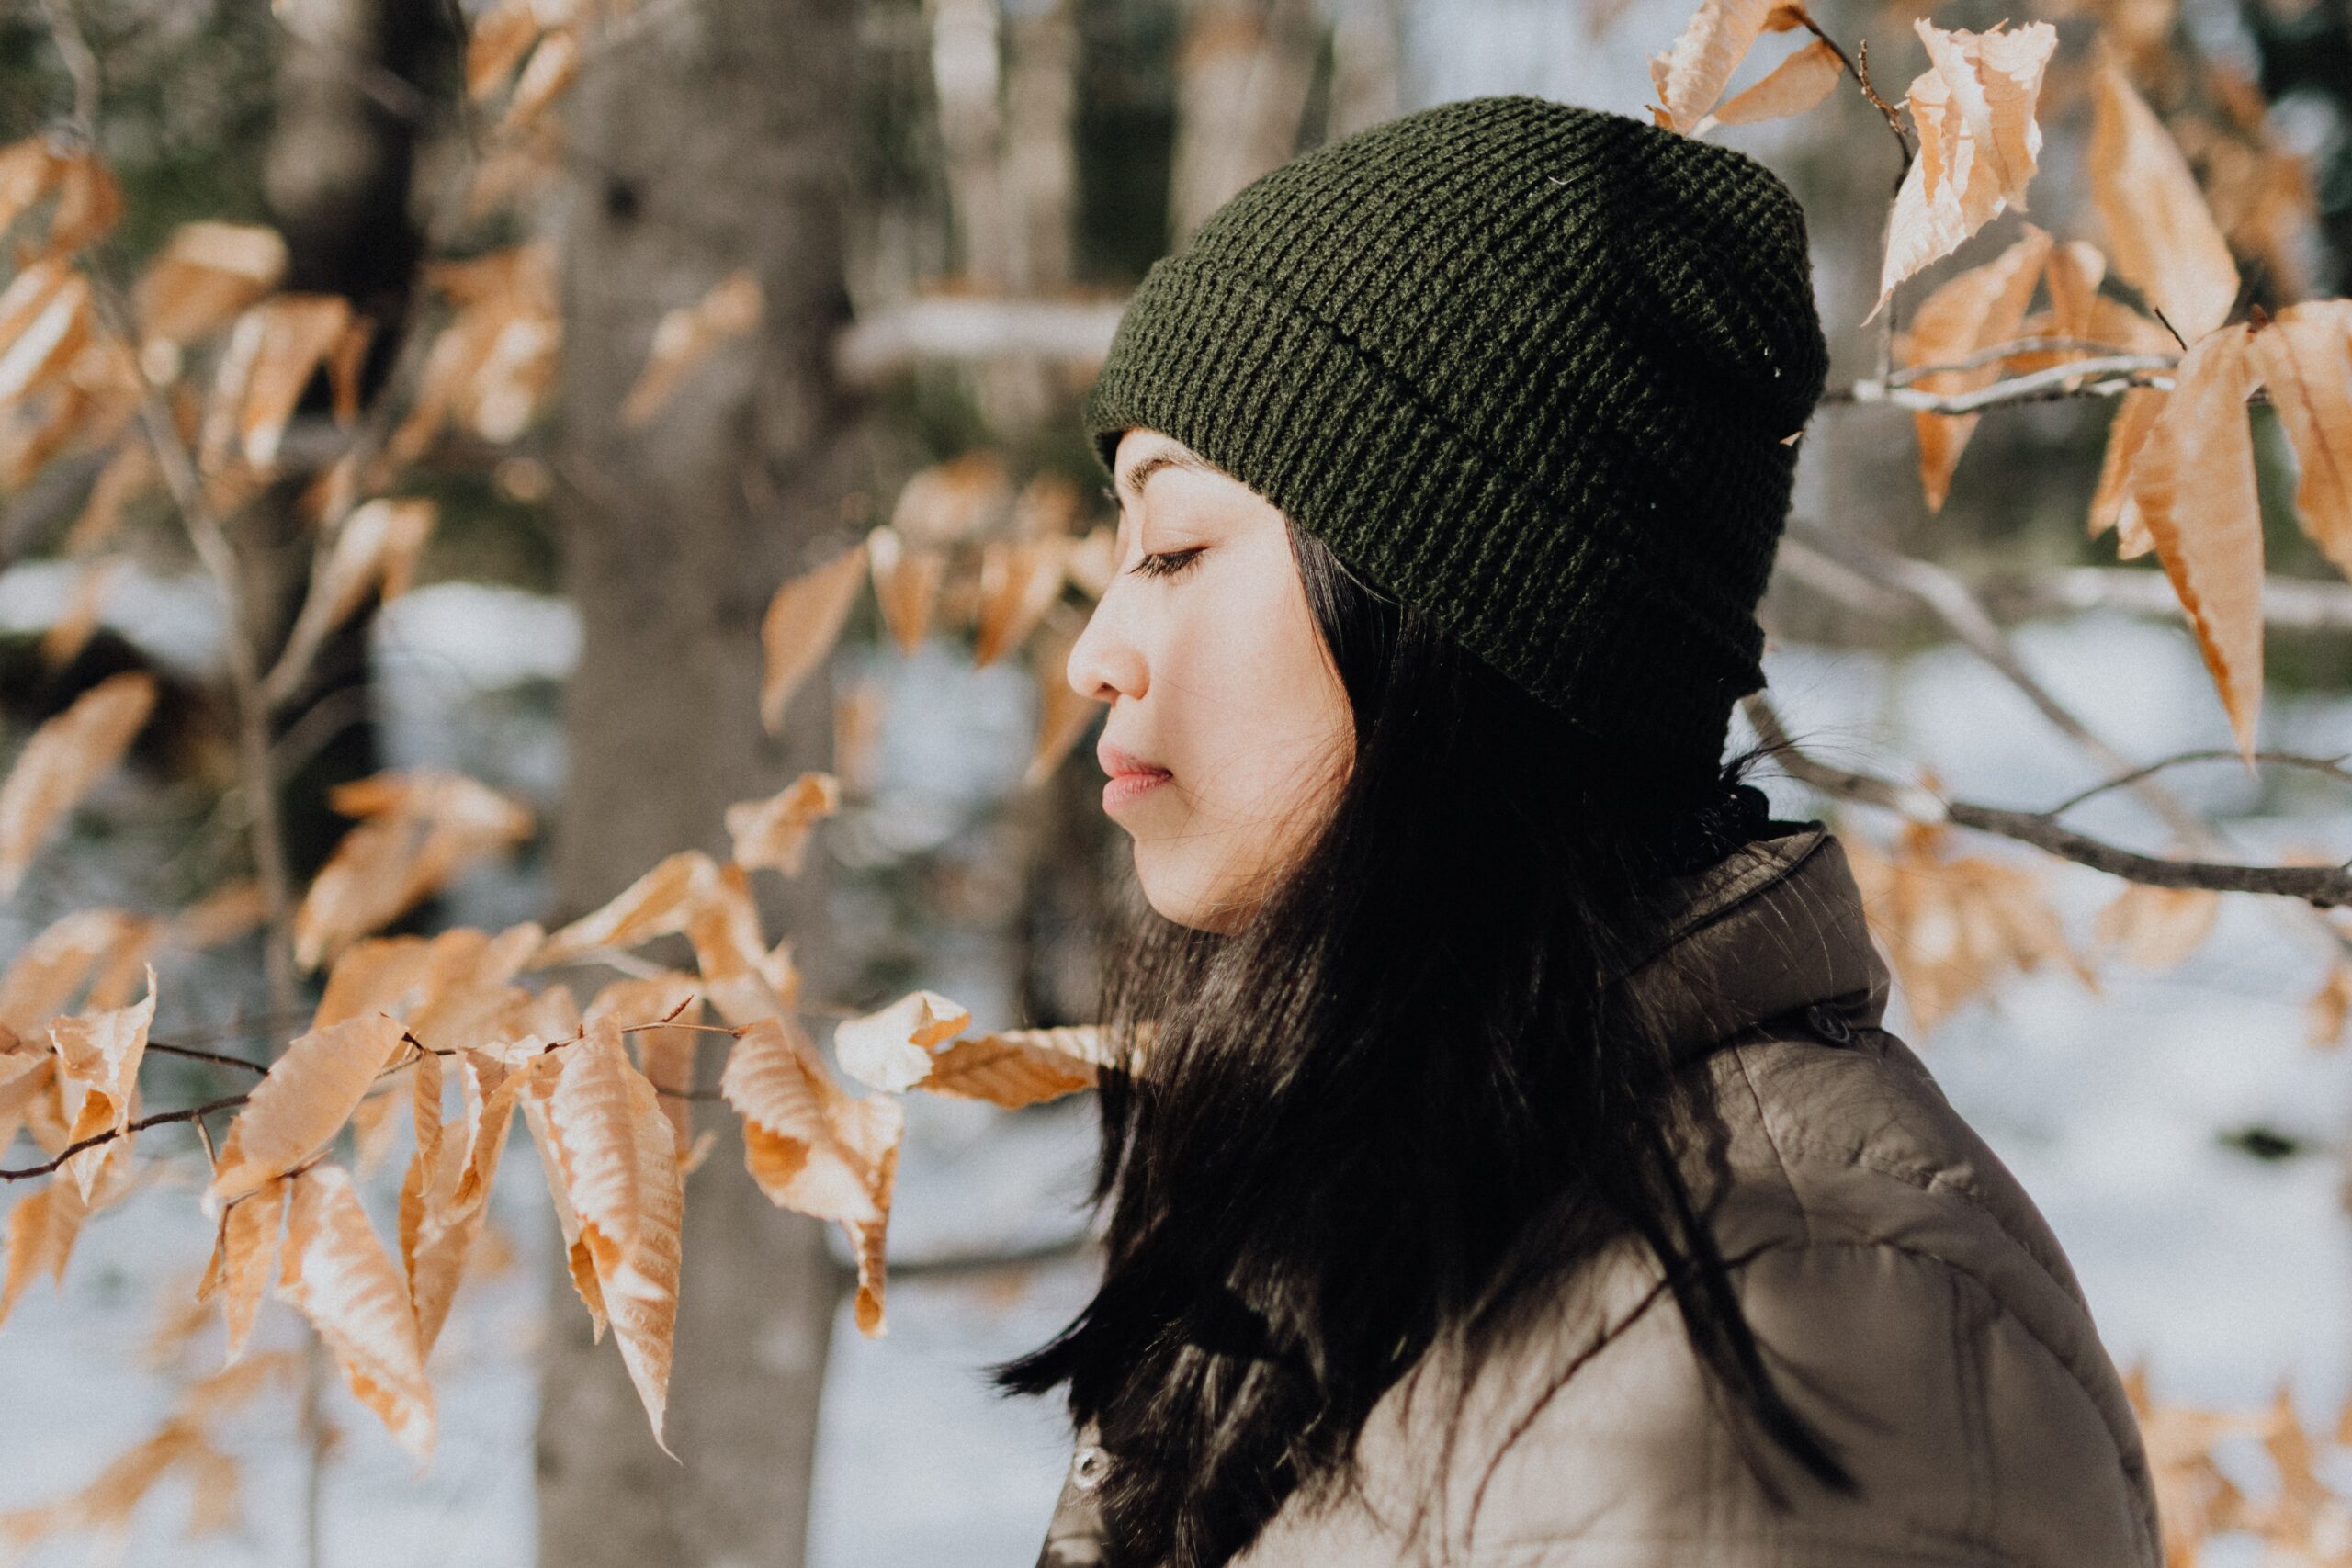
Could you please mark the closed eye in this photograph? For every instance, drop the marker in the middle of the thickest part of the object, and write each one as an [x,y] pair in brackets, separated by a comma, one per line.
[1168,563]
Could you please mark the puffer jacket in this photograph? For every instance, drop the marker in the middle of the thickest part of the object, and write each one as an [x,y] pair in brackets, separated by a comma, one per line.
[1909,1299]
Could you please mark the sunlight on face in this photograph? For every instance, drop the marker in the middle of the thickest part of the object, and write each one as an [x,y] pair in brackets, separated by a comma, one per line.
[1220,688]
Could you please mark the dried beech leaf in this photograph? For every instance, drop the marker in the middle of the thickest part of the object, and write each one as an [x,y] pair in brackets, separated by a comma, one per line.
[949,502]
[1693,74]
[2304,356]
[249,1232]
[338,1275]
[2192,482]
[687,336]
[97,1076]
[39,1238]
[272,353]
[1965,315]
[420,829]
[230,910]
[102,948]
[308,1093]
[63,759]
[2156,927]
[1797,83]
[665,1055]
[1953,925]
[496,43]
[206,275]
[70,633]
[2111,505]
[1013,1067]
[775,832]
[1979,142]
[813,1148]
[375,551]
[891,1049]
[802,624]
[45,320]
[793,1119]
[1020,579]
[618,1158]
[907,579]
[2160,233]
[1062,714]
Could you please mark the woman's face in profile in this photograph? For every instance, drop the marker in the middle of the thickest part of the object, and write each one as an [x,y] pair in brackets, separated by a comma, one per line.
[1230,731]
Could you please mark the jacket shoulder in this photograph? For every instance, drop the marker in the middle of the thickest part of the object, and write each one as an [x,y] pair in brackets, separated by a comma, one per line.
[1912,1305]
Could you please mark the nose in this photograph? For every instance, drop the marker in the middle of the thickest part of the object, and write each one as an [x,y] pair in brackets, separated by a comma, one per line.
[1105,662]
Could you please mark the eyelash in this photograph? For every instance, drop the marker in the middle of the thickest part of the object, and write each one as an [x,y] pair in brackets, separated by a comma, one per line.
[1168,564]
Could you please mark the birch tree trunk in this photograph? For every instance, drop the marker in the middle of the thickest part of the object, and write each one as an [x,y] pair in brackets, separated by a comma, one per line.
[714,137]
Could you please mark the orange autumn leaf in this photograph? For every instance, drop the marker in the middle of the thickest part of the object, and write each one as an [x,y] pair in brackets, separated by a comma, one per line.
[1953,924]
[445,1195]
[1797,83]
[38,1239]
[45,322]
[420,829]
[1062,714]
[2160,233]
[1014,1068]
[68,634]
[711,904]
[687,336]
[98,1077]
[2304,355]
[228,912]
[2192,482]
[618,1160]
[245,1259]
[775,832]
[803,622]
[206,275]
[273,351]
[1692,75]
[2156,927]
[490,369]
[375,553]
[338,1275]
[907,579]
[658,1014]
[1982,307]
[63,759]
[302,1102]
[1020,579]
[104,948]
[891,1048]
[2111,502]
[814,1148]
[1979,142]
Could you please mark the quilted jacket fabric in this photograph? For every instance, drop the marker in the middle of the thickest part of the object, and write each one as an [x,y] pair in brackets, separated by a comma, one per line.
[1909,1298]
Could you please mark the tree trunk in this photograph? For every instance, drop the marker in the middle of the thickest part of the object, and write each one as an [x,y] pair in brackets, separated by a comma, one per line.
[712,137]
[1242,79]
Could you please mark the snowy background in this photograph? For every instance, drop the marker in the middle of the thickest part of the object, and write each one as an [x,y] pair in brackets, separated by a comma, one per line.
[2225,1272]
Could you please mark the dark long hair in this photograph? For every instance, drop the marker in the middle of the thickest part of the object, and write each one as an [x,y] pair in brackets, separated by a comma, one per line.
[1390,1108]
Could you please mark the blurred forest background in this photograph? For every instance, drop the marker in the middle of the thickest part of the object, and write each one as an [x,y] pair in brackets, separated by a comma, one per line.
[939,205]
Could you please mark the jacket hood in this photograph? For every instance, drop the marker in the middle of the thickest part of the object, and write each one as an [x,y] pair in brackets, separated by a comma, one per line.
[1774,927]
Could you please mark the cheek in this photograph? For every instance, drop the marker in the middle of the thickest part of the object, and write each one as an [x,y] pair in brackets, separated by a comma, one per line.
[1262,717]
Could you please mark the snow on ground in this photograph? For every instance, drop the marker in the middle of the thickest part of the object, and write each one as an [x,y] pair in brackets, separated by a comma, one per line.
[2225,1273]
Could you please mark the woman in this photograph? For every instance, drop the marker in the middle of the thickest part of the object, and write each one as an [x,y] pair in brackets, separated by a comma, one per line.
[1517,1173]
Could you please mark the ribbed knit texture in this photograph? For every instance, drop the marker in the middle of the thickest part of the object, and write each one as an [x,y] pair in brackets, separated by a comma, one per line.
[1524,365]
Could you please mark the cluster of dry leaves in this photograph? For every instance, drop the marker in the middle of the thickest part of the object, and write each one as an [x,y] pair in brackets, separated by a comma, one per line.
[2179,477]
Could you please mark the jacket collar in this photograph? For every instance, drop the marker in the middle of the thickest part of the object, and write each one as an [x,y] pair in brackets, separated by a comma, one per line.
[1776,925]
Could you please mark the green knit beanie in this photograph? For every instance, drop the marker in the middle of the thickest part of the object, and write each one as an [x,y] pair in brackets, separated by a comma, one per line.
[1533,368]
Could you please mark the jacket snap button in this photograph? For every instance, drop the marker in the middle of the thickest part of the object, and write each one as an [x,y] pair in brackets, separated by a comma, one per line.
[1830,1025]
[1087,1468]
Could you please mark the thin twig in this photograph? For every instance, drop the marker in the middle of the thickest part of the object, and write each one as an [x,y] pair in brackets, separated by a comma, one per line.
[2320,886]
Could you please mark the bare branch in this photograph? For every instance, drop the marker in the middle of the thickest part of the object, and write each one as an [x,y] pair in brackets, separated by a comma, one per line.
[2320,886]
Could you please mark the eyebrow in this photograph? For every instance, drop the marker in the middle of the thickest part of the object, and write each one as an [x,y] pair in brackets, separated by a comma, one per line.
[1136,477]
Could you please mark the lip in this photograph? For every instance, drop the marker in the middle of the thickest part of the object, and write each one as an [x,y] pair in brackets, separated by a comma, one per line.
[1131,776]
